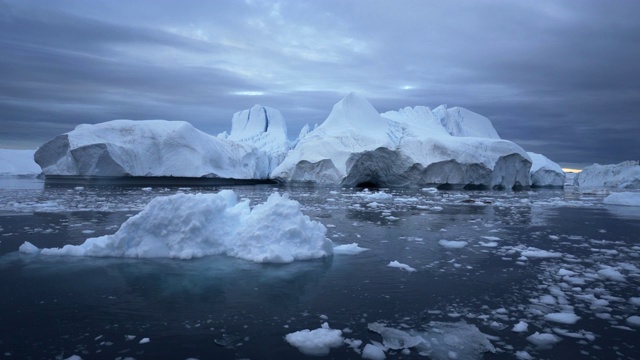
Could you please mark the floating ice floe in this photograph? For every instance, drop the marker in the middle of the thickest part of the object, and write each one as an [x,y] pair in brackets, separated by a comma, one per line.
[316,342]
[186,226]
[401,266]
[562,318]
[348,249]
[453,244]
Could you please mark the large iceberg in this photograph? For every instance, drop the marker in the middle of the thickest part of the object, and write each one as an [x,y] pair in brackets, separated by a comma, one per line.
[544,172]
[261,127]
[149,148]
[18,163]
[186,226]
[357,146]
[625,175]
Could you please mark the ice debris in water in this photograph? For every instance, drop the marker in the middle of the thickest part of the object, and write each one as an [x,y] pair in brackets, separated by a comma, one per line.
[441,341]
[348,249]
[393,338]
[316,342]
[453,244]
[185,226]
[401,266]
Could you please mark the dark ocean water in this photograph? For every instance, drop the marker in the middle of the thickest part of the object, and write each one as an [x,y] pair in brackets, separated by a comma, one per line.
[218,307]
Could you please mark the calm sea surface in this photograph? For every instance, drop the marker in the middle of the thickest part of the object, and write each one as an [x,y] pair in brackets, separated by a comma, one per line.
[527,254]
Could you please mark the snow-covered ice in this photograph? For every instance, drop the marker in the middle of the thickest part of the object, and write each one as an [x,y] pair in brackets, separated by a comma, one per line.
[317,342]
[372,352]
[520,327]
[185,226]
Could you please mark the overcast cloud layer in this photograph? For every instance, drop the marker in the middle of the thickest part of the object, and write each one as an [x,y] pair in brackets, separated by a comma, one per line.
[557,77]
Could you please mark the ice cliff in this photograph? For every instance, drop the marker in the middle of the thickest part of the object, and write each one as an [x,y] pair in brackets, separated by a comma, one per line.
[625,175]
[357,146]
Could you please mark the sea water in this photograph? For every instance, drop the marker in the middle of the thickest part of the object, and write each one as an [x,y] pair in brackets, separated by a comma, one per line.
[548,274]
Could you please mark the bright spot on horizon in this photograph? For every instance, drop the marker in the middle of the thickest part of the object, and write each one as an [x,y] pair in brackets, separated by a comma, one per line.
[249,93]
[571,170]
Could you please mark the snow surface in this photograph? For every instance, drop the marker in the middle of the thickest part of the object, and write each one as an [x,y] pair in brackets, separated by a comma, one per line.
[623,198]
[356,145]
[316,342]
[18,163]
[185,226]
[625,175]
[544,172]
[149,148]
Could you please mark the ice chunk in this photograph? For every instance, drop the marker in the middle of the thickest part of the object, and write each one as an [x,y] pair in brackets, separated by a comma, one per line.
[633,320]
[373,352]
[611,274]
[194,225]
[562,318]
[460,340]
[537,253]
[452,244]
[543,340]
[348,249]
[623,198]
[401,266]
[393,338]
[316,342]
[520,327]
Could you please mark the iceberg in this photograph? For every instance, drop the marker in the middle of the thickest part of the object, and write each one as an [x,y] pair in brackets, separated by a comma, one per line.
[18,163]
[187,226]
[149,148]
[263,128]
[623,198]
[544,172]
[625,175]
[357,146]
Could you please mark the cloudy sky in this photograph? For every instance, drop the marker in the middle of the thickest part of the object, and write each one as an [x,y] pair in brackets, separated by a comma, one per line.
[557,77]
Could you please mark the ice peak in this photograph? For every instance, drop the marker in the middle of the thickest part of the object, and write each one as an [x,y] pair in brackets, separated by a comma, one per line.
[355,113]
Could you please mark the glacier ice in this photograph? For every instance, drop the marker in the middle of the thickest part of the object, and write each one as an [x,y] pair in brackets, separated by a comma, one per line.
[185,226]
